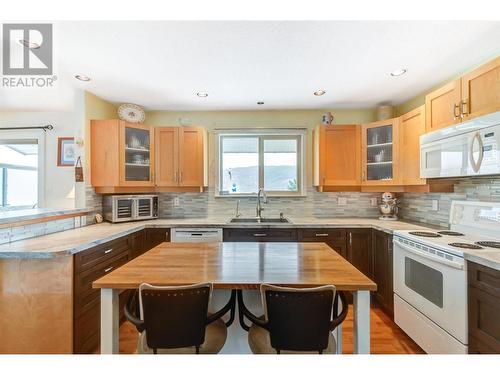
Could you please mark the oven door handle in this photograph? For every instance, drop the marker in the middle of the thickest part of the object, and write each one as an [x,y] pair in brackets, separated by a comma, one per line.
[422,254]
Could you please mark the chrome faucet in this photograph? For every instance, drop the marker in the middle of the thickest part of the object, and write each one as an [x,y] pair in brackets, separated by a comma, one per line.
[259,209]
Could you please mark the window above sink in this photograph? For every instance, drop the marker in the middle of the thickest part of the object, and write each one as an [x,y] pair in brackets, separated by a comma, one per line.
[271,159]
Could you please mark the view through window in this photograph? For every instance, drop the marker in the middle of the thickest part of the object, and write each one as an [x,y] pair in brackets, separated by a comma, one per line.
[18,174]
[250,162]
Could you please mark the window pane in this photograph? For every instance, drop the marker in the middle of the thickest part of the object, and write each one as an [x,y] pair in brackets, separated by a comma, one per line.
[240,165]
[19,168]
[21,187]
[280,165]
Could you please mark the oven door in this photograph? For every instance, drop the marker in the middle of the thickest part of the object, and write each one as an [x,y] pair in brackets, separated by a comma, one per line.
[144,207]
[123,209]
[434,286]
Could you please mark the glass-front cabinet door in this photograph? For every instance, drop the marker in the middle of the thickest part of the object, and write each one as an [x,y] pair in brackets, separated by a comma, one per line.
[136,156]
[380,145]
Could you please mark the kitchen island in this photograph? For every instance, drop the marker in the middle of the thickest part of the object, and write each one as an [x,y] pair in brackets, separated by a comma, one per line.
[237,265]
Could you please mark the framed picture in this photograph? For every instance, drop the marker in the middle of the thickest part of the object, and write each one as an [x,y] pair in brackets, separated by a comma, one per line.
[65,151]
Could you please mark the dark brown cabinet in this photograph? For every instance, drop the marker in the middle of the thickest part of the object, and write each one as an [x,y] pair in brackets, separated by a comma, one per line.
[484,309]
[382,270]
[359,250]
[335,238]
[155,236]
[92,264]
[260,235]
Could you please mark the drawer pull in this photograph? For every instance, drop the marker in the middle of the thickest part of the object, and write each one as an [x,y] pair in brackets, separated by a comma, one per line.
[259,234]
[108,269]
[108,251]
[321,234]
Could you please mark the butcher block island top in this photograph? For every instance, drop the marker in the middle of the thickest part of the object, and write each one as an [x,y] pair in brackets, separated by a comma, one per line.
[239,265]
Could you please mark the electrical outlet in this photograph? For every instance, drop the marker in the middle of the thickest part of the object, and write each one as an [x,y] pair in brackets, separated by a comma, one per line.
[176,201]
[342,201]
[77,222]
[435,205]
[373,202]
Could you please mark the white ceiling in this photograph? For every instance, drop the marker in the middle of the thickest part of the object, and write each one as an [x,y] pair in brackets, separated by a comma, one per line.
[163,64]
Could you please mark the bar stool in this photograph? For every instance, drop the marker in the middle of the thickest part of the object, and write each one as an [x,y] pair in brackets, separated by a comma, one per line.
[295,320]
[175,320]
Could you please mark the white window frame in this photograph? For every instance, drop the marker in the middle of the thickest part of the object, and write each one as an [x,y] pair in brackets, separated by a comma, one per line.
[263,134]
[39,136]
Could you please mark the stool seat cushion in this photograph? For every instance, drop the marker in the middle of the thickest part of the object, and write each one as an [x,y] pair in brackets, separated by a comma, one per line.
[215,338]
[260,343]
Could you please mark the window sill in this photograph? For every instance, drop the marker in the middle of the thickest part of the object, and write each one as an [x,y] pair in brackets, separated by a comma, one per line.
[269,195]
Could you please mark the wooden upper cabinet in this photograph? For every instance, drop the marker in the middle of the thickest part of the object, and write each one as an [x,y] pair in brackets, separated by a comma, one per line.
[180,157]
[136,155]
[191,155]
[380,153]
[481,90]
[338,155]
[167,156]
[412,126]
[443,106]
[121,154]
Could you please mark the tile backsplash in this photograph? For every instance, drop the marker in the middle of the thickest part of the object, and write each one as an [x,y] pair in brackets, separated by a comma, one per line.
[418,207]
[200,205]
[17,233]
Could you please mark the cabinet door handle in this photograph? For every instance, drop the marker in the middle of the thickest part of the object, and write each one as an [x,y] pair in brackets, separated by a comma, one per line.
[350,238]
[321,234]
[175,177]
[364,179]
[108,269]
[454,109]
[464,109]
[180,177]
[259,234]
[108,251]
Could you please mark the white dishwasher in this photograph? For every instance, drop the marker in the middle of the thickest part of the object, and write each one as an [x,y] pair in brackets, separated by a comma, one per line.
[196,235]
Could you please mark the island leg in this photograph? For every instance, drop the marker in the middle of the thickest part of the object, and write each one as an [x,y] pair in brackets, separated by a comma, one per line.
[109,321]
[361,322]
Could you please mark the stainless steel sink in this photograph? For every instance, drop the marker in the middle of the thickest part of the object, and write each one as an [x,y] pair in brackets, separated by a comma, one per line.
[251,220]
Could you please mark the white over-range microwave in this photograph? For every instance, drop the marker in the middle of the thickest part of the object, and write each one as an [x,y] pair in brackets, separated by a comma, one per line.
[467,149]
[120,208]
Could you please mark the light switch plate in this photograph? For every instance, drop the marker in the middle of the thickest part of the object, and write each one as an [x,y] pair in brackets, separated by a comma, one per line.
[373,202]
[435,205]
[342,201]
[176,201]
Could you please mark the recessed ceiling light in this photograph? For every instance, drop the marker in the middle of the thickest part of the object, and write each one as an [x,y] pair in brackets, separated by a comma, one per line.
[319,92]
[83,78]
[398,72]
[28,44]
[260,103]
[202,94]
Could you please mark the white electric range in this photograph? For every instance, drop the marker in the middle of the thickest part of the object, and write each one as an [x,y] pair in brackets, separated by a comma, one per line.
[430,275]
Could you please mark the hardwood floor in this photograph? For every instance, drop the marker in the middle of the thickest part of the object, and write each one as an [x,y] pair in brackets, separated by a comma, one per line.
[386,336]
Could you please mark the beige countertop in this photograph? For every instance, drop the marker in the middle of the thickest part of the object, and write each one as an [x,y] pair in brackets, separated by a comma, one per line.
[76,240]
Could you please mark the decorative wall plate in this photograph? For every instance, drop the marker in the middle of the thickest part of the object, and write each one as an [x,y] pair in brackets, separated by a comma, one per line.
[131,113]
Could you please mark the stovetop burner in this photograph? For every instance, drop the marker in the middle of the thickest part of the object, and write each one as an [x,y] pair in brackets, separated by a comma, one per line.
[425,234]
[494,244]
[465,245]
[450,233]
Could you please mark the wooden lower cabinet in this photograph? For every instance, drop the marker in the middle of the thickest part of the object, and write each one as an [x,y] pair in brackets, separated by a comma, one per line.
[92,264]
[484,309]
[260,235]
[359,250]
[382,270]
[335,238]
